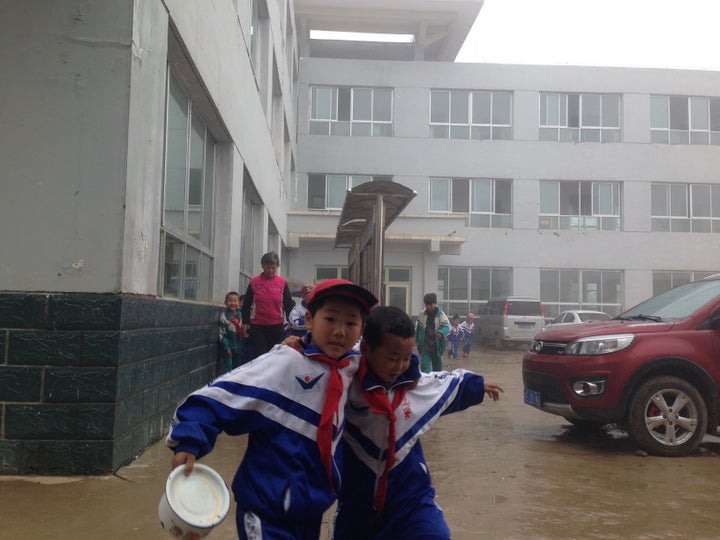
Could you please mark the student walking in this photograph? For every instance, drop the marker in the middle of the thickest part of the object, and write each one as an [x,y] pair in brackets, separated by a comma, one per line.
[432,327]
[454,338]
[468,329]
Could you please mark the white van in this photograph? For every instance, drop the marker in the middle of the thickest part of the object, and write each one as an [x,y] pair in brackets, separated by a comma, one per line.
[509,320]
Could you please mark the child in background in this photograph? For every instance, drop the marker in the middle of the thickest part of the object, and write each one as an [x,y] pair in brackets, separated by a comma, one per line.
[231,332]
[454,337]
[467,327]
[296,319]
[292,405]
[386,490]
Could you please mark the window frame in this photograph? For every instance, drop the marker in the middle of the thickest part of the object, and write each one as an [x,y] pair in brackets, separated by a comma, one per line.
[563,289]
[675,119]
[582,220]
[683,215]
[570,112]
[348,123]
[493,130]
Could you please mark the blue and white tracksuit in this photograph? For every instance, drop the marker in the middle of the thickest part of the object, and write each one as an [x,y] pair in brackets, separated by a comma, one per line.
[278,399]
[410,511]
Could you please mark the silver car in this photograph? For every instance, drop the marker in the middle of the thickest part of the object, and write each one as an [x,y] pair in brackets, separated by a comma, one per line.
[577,316]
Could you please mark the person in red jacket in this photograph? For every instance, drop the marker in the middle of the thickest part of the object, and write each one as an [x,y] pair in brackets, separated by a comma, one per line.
[267,303]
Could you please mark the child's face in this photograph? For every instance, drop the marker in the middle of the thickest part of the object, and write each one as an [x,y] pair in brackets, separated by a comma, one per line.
[232,302]
[391,358]
[335,327]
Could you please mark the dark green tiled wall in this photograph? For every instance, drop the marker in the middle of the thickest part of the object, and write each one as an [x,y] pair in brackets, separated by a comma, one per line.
[87,382]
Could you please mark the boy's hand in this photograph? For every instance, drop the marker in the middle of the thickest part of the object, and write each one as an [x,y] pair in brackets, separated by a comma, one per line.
[184,457]
[228,352]
[493,390]
[293,341]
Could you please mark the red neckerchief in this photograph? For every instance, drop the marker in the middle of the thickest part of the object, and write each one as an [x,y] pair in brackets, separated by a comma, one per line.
[330,409]
[236,321]
[377,400]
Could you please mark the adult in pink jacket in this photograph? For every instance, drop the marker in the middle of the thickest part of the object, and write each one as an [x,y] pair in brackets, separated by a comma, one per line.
[267,303]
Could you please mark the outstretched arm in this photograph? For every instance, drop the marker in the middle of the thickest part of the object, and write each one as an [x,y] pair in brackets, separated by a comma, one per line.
[493,390]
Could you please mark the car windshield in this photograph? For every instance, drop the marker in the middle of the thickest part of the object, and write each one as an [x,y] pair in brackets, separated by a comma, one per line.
[675,304]
[587,317]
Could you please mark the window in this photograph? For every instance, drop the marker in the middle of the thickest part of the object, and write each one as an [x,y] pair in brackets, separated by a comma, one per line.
[665,280]
[462,114]
[487,202]
[188,200]
[330,272]
[580,205]
[685,207]
[328,191]
[463,290]
[684,120]
[579,117]
[351,111]
[598,290]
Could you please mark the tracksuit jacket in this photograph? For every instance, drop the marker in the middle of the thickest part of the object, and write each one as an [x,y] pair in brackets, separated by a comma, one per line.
[278,399]
[409,509]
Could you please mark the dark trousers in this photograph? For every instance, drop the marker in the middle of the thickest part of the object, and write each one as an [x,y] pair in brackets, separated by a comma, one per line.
[263,338]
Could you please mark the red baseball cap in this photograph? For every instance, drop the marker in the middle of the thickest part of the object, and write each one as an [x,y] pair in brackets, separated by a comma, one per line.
[343,288]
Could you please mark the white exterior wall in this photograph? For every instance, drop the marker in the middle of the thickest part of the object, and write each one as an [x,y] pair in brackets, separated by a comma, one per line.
[412,158]
[83,125]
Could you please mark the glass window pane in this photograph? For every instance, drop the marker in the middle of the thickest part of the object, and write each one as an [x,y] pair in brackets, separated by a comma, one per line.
[208,192]
[192,260]
[699,113]
[549,109]
[321,102]
[336,190]
[460,196]
[481,112]
[316,191]
[176,159]
[548,197]
[715,201]
[678,112]
[502,108]
[569,286]
[501,282]
[319,128]
[591,110]
[458,278]
[569,198]
[659,196]
[440,106]
[358,179]
[678,200]
[459,108]
[602,198]
[197,153]
[362,98]
[439,132]
[459,132]
[440,195]
[591,287]
[503,197]
[382,104]
[659,112]
[573,110]
[661,282]
[480,284]
[172,273]
[611,287]
[361,129]
[549,286]
[344,99]
[482,196]
[611,111]
[715,114]
[701,200]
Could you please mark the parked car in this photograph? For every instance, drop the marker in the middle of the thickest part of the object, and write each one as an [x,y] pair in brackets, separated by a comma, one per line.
[510,320]
[577,316]
[655,369]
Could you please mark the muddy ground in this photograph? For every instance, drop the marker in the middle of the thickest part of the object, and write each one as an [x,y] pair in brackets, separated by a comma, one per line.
[502,471]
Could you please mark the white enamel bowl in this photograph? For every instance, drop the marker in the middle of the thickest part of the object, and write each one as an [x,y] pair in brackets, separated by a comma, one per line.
[192,505]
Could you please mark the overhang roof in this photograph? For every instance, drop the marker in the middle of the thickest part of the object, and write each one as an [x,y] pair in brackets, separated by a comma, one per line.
[439,26]
[360,204]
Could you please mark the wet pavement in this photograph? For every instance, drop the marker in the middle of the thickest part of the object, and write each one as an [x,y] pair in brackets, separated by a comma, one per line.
[502,471]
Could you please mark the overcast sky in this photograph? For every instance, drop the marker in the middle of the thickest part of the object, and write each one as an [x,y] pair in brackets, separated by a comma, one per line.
[636,33]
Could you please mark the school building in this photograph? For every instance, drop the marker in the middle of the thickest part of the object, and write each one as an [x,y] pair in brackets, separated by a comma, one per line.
[153,151]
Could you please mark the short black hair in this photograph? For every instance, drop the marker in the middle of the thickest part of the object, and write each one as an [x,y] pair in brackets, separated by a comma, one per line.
[270,258]
[387,320]
[233,293]
[430,298]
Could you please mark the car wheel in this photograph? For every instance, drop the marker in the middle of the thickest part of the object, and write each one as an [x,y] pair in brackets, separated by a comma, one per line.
[668,417]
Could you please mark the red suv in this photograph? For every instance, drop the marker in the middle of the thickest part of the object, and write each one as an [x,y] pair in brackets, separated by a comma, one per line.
[655,369]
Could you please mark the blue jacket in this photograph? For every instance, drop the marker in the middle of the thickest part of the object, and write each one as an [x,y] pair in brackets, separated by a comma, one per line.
[278,399]
[365,448]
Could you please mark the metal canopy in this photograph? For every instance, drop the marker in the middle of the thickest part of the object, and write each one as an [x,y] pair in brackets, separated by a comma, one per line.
[359,208]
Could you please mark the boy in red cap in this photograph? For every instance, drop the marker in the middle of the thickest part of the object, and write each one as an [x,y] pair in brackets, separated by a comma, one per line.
[291,402]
